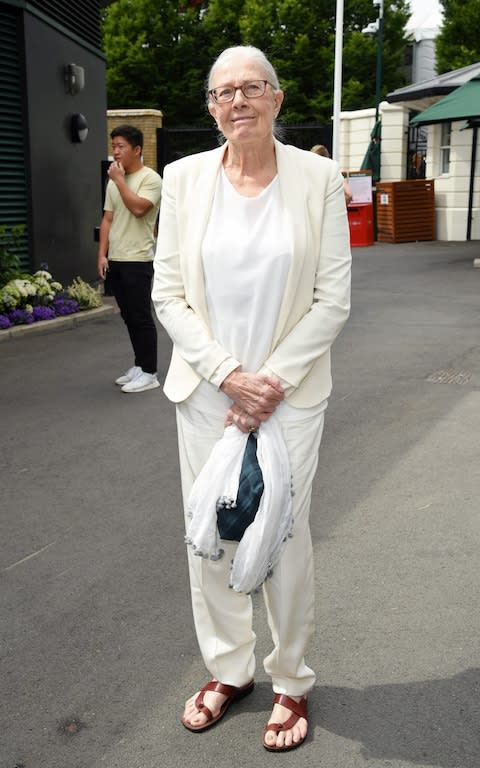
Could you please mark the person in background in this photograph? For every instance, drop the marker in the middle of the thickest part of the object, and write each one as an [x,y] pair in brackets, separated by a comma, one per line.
[125,251]
[320,149]
[252,284]
[417,166]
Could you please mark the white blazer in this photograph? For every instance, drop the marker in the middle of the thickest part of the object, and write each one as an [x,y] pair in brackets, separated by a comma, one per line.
[316,301]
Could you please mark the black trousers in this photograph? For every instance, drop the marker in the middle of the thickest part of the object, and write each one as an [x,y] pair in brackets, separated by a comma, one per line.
[131,284]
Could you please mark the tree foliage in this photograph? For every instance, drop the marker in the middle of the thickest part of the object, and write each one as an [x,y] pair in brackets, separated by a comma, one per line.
[158,54]
[360,53]
[458,43]
[155,57]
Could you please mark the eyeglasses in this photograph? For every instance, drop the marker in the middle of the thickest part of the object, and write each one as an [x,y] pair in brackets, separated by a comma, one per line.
[251,90]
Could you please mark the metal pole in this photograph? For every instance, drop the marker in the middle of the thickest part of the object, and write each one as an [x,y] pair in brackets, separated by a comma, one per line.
[337,84]
[378,76]
[472,181]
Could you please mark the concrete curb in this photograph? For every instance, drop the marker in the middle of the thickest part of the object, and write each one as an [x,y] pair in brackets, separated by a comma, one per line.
[59,323]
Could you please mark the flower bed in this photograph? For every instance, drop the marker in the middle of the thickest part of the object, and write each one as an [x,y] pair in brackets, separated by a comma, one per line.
[28,299]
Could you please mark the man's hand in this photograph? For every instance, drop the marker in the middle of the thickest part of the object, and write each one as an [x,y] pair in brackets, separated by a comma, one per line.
[136,204]
[102,259]
[102,267]
[116,171]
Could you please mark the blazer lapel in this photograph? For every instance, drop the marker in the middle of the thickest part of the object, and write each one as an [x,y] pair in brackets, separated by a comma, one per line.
[292,187]
[199,203]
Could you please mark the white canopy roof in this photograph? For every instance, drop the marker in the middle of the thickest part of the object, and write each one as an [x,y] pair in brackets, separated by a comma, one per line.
[425,21]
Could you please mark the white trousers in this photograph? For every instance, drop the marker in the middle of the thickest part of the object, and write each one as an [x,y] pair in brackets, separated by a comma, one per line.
[224,618]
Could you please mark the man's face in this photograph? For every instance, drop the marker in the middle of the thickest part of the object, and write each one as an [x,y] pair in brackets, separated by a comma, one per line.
[124,153]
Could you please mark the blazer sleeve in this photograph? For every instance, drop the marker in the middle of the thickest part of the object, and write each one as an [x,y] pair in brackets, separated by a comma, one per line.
[175,309]
[309,340]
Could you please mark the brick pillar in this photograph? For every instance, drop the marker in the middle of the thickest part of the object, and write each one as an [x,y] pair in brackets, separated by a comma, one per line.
[147,120]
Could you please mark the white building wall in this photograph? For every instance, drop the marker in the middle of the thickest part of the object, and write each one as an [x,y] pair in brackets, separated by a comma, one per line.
[355,130]
[451,189]
[394,142]
[424,62]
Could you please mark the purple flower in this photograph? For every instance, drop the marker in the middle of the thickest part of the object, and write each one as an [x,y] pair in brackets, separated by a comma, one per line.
[20,317]
[4,322]
[65,306]
[43,313]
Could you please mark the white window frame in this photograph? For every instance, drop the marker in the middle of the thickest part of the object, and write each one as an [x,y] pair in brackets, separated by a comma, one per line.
[445,146]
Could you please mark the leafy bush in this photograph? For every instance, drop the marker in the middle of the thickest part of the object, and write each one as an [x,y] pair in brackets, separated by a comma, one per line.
[9,261]
[87,297]
[39,289]
[27,299]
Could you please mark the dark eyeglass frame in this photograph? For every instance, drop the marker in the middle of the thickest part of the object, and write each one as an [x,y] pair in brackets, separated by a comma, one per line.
[212,93]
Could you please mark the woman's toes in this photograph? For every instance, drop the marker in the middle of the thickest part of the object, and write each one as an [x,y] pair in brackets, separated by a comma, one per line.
[213,701]
[191,714]
[285,739]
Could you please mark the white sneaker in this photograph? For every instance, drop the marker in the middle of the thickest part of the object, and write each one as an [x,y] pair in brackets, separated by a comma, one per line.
[142,382]
[128,376]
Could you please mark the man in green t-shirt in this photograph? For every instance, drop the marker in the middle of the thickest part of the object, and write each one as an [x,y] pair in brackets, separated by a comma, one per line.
[125,252]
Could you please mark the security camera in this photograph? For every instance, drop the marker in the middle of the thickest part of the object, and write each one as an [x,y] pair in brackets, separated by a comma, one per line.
[371,29]
[74,78]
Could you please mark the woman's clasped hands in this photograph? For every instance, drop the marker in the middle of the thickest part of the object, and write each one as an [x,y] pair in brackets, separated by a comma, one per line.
[254,398]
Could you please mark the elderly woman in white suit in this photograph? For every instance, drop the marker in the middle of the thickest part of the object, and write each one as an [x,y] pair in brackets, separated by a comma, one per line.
[252,283]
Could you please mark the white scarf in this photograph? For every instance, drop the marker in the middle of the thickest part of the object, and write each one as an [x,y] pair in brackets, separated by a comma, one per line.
[263,540]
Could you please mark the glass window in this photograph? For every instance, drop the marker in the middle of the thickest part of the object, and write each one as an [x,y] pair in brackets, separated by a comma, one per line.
[446,130]
[417,151]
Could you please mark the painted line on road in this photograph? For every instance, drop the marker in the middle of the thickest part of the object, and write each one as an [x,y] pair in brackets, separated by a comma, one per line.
[28,557]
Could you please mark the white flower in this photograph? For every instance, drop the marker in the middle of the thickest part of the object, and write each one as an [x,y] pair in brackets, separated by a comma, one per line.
[42,282]
[8,300]
[42,273]
[13,290]
[24,287]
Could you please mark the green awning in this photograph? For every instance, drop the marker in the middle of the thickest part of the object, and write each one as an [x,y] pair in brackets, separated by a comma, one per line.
[371,161]
[461,104]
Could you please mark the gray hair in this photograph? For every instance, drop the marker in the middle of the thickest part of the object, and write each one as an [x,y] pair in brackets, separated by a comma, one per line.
[255,55]
[247,52]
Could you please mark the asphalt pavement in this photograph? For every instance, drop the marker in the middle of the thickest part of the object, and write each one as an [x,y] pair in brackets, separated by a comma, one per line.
[97,649]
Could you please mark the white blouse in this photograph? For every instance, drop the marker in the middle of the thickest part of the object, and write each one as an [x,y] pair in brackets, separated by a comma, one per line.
[246,257]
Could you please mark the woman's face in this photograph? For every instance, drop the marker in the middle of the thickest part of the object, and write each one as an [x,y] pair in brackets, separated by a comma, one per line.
[244,120]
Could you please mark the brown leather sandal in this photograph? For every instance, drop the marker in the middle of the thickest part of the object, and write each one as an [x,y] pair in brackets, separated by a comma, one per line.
[299,709]
[232,693]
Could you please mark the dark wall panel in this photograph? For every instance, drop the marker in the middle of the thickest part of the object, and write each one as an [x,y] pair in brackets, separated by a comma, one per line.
[82,17]
[13,184]
[65,176]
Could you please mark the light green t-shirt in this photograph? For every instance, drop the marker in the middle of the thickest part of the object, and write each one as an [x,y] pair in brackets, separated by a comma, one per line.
[132,238]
